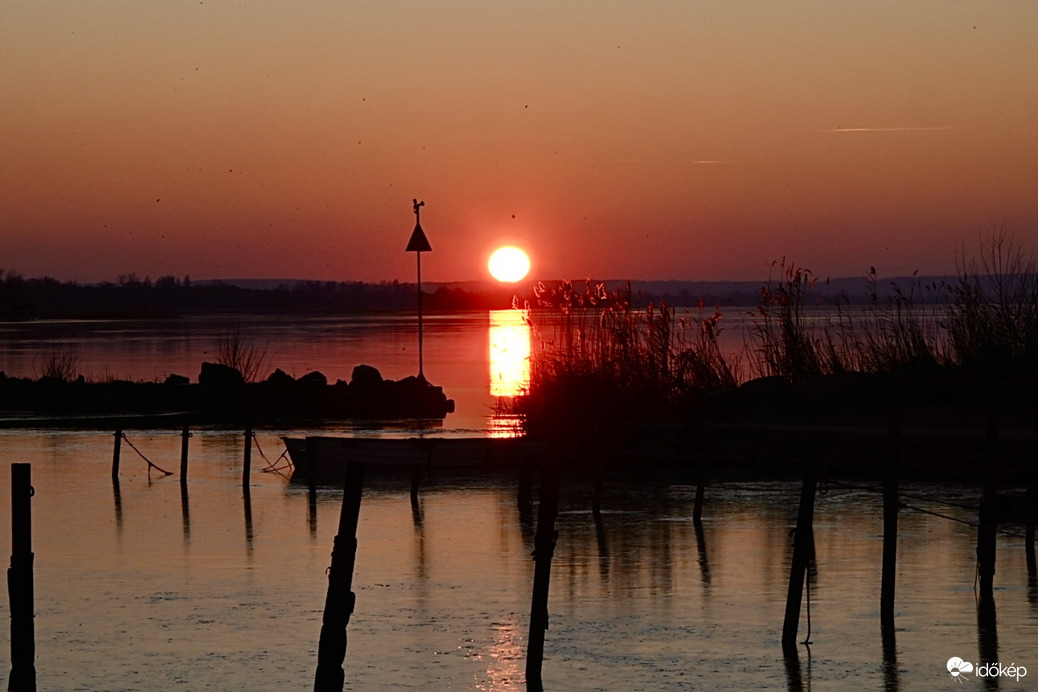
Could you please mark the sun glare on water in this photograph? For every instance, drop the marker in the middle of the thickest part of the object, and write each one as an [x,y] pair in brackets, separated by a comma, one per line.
[508,264]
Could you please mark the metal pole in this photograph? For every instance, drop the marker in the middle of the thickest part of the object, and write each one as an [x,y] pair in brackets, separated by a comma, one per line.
[421,372]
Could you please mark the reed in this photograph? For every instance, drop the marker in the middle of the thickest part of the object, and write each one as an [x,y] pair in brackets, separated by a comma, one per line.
[59,362]
[600,357]
[238,351]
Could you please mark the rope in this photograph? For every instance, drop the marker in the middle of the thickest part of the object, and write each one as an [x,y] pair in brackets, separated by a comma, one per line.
[807,578]
[961,521]
[949,503]
[151,464]
[272,465]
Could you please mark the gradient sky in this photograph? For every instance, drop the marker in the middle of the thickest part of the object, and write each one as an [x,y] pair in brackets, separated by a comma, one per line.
[681,139]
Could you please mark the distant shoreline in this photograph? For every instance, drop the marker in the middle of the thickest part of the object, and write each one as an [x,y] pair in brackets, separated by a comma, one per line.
[167,297]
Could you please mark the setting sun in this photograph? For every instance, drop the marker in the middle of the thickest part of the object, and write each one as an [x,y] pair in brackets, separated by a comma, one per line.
[508,264]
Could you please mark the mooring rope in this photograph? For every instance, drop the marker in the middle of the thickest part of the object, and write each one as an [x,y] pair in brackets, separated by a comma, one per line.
[272,465]
[974,524]
[151,464]
[807,578]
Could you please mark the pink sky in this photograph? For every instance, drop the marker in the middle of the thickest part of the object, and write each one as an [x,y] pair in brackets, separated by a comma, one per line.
[686,140]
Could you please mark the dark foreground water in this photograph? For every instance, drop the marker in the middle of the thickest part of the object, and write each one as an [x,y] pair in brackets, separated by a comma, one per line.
[138,588]
[141,588]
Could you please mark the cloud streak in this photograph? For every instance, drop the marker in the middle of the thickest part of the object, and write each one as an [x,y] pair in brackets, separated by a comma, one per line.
[931,128]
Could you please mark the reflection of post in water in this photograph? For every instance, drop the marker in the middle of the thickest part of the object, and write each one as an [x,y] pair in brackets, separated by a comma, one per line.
[185,514]
[311,504]
[987,636]
[704,564]
[988,529]
[544,548]
[416,508]
[794,679]
[118,504]
[603,549]
[891,683]
[247,500]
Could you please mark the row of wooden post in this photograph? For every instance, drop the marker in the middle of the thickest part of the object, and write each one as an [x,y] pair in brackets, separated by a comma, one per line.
[185,436]
[987,531]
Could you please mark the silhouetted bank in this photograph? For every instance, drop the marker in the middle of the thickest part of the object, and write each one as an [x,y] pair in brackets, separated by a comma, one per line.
[221,395]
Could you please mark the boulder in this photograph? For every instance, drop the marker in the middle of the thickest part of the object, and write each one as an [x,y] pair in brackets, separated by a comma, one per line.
[280,377]
[177,379]
[365,376]
[313,378]
[221,375]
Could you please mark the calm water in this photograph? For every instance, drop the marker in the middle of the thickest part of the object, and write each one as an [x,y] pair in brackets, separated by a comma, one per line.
[140,588]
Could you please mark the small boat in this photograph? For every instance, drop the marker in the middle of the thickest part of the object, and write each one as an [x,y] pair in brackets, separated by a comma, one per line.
[327,457]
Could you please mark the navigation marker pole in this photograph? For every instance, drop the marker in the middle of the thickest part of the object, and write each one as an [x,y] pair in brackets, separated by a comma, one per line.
[419,244]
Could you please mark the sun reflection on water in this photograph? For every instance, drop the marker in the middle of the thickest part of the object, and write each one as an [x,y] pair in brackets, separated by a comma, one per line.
[509,353]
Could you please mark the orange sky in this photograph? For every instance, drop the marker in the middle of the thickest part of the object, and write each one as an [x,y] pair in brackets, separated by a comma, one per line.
[689,140]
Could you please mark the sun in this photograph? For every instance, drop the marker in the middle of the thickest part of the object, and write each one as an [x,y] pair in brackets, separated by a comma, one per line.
[508,264]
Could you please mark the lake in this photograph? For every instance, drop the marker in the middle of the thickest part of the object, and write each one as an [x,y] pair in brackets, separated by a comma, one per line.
[139,587]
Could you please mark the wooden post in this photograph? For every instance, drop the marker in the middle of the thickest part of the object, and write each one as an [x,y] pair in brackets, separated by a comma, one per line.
[890,510]
[544,548]
[524,497]
[1032,515]
[115,453]
[338,605]
[247,462]
[596,502]
[19,582]
[803,542]
[988,528]
[185,435]
[697,508]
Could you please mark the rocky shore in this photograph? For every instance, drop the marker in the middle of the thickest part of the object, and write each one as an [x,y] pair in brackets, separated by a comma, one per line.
[221,395]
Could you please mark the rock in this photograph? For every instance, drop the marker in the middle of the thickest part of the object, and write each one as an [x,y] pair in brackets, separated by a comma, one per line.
[313,378]
[177,379]
[222,375]
[365,376]
[280,377]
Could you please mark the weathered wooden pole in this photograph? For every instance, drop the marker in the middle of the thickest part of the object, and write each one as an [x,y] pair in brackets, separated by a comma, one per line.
[988,525]
[544,548]
[1032,515]
[19,582]
[338,605]
[247,461]
[185,435]
[115,453]
[803,546]
[890,511]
